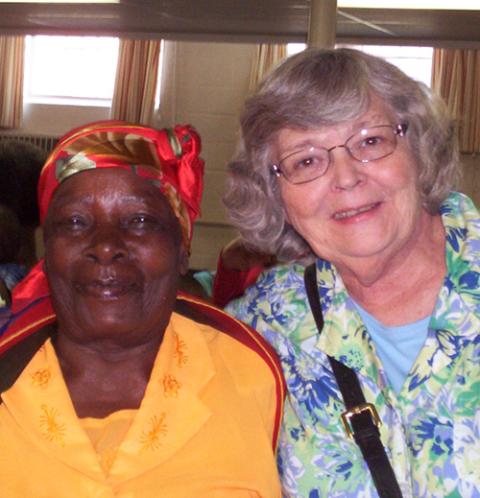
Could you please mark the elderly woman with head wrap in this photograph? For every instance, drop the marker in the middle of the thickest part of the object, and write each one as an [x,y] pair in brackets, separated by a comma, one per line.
[113,383]
[347,162]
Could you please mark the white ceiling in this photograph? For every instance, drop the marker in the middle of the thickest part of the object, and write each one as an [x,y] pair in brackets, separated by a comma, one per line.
[242,21]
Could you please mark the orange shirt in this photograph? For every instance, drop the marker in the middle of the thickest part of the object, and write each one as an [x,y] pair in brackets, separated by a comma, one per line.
[204,428]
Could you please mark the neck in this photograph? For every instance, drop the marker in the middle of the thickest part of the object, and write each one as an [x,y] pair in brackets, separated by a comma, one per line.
[102,379]
[403,288]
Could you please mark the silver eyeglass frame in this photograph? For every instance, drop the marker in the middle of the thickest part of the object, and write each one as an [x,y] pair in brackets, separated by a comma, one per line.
[399,130]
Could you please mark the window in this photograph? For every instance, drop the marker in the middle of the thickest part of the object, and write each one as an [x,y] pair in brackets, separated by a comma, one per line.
[295,48]
[70,70]
[414,61]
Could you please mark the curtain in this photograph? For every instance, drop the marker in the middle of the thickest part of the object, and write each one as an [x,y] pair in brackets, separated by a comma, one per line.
[11,80]
[456,77]
[266,57]
[136,81]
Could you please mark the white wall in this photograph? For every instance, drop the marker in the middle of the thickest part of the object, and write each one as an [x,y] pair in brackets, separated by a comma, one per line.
[58,119]
[206,85]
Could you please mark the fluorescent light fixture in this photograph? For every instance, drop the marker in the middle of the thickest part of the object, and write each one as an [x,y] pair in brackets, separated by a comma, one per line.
[411,4]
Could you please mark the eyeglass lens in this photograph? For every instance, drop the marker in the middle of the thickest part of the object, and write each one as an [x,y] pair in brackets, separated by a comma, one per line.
[369,144]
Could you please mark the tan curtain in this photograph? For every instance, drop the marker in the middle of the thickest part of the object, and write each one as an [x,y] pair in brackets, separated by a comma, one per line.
[136,80]
[266,57]
[456,77]
[11,80]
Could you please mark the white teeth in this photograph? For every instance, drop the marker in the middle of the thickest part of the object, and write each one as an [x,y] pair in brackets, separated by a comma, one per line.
[352,212]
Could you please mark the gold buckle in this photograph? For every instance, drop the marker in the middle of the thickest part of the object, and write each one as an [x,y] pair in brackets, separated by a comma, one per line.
[356,410]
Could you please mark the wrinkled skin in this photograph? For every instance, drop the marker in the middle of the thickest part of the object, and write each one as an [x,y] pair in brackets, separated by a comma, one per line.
[113,256]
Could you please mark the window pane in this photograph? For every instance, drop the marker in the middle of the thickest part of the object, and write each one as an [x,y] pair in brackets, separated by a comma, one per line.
[71,67]
[414,61]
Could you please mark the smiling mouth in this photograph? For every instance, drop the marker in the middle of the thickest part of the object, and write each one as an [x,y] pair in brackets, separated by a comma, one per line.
[106,289]
[349,213]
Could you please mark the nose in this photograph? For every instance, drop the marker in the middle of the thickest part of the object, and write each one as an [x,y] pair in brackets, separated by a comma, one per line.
[346,171]
[106,245]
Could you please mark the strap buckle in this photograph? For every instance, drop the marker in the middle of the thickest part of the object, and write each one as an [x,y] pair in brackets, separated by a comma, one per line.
[357,410]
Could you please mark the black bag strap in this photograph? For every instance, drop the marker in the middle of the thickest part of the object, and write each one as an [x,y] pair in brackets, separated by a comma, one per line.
[361,420]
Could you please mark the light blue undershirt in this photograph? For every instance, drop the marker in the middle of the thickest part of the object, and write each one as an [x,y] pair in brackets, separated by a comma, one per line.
[397,347]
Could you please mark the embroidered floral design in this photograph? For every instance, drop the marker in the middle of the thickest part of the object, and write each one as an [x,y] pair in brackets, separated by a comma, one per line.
[171,386]
[41,377]
[52,429]
[151,438]
[180,354]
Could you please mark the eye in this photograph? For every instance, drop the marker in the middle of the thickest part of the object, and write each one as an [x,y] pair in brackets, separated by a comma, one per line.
[310,161]
[306,163]
[372,141]
[74,223]
[66,224]
[143,222]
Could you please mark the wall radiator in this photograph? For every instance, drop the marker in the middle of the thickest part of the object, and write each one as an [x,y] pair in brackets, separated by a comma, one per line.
[45,142]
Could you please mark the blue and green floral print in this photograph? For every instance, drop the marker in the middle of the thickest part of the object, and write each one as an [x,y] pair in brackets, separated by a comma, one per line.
[431,429]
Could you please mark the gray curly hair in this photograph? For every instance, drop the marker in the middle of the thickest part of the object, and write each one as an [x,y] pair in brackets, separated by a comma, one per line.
[318,88]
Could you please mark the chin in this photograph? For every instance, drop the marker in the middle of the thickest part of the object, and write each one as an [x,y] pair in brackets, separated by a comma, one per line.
[104,321]
[359,250]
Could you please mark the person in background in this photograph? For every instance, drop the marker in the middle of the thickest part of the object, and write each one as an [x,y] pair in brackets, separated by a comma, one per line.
[346,162]
[190,284]
[10,242]
[20,165]
[238,268]
[112,382]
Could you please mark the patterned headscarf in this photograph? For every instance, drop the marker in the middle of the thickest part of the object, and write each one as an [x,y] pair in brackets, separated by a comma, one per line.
[169,158]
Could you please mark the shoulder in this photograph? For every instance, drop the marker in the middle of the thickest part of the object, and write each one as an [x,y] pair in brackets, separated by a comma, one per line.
[229,335]
[459,212]
[275,291]
[276,306]
[239,350]
[461,221]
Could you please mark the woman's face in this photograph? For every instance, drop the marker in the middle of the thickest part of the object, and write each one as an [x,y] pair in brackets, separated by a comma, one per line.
[113,254]
[356,211]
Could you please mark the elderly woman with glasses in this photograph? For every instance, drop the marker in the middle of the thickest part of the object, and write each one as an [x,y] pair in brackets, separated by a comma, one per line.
[348,163]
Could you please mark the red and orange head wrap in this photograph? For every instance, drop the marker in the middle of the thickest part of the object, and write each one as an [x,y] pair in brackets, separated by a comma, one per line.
[170,158]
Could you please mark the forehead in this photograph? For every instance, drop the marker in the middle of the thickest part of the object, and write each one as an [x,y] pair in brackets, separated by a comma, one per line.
[107,182]
[377,113]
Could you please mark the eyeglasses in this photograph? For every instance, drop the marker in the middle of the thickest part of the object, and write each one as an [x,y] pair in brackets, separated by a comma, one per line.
[368,144]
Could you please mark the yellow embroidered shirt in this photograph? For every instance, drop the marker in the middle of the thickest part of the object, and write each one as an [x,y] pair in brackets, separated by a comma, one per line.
[204,427]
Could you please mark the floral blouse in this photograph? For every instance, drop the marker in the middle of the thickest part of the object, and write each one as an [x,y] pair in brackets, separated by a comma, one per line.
[431,429]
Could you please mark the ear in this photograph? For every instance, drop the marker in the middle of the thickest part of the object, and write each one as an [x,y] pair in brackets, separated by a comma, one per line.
[183,259]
